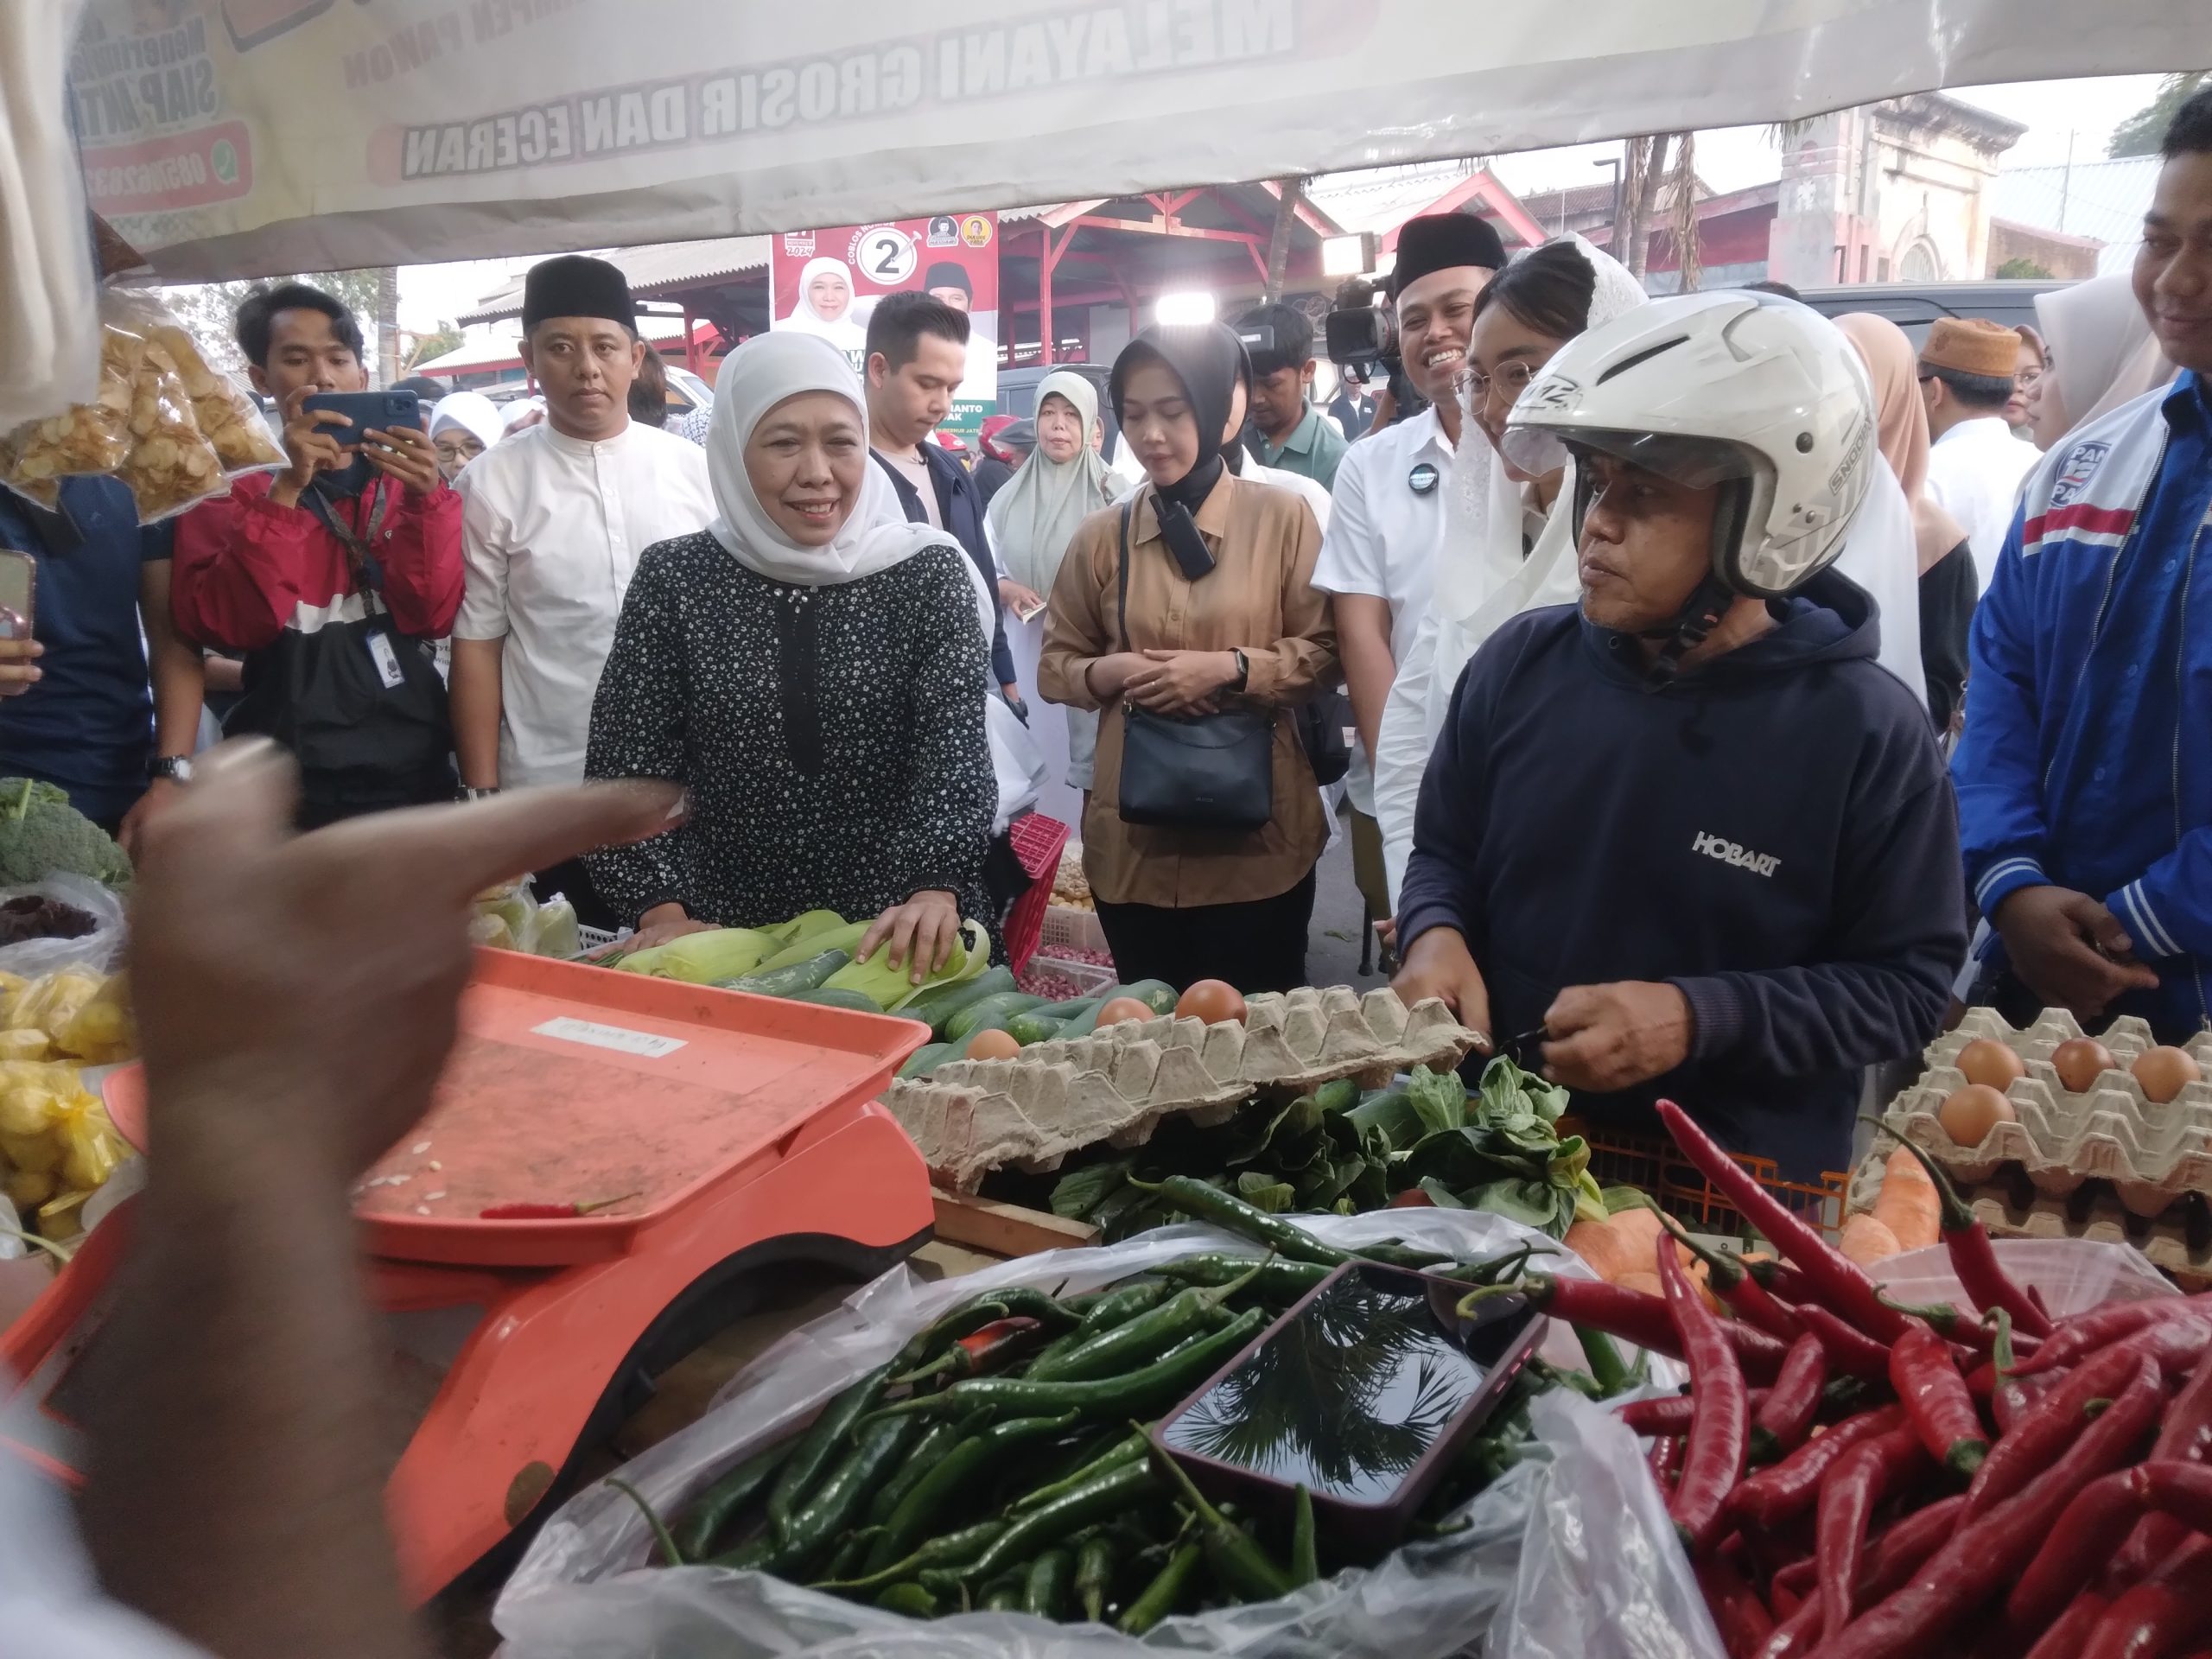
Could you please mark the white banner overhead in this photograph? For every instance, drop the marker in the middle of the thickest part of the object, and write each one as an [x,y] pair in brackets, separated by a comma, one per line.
[231,138]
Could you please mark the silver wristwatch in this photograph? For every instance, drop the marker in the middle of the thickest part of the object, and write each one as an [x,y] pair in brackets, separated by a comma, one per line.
[177,768]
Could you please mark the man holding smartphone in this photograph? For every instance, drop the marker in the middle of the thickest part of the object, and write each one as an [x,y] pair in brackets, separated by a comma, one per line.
[335,593]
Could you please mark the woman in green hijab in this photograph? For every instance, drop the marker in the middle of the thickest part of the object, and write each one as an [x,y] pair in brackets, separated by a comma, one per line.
[1031,521]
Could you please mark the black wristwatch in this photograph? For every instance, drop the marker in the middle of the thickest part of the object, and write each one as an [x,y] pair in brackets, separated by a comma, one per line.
[1243,670]
[177,768]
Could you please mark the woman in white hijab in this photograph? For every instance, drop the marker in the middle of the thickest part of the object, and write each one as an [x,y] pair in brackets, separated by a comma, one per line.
[2100,352]
[1031,521]
[463,425]
[1511,544]
[823,306]
[812,669]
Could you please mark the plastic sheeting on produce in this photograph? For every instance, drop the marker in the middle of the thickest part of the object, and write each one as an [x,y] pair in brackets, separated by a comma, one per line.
[1583,1515]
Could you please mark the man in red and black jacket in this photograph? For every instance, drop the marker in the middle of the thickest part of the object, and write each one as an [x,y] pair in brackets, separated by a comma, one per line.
[336,599]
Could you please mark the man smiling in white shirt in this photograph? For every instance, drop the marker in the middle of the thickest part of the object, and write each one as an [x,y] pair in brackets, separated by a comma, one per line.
[1382,541]
[555,517]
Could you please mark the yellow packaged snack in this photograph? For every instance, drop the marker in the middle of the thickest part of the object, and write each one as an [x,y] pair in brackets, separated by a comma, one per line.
[50,1002]
[39,1154]
[101,1031]
[90,1147]
[93,437]
[57,1217]
[25,1045]
[171,465]
[28,1188]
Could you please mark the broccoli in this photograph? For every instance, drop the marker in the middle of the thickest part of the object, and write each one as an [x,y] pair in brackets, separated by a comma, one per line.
[41,833]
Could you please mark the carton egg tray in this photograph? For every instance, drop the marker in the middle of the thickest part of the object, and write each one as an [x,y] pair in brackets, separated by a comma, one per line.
[2151,1155]
[970,1117]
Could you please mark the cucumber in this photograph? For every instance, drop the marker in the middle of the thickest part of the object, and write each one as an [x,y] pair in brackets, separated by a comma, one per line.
[789,981]
[1072,1007]
[857,1002]
[1155,994]
[846,939]
[935,1007]
[992,1011]
[1037,1026]
[928,1058]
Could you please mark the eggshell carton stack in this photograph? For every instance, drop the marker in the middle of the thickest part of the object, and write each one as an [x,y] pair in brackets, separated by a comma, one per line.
[2153,1155]
[971,1116]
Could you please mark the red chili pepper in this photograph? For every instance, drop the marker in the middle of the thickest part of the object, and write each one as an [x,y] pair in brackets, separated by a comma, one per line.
[1672,1414]
[2177,1344]
[1638,1316]
[1666,1460]
[2181,1489]
[1779,1279]
[1713,1462]
[1851,1352]
[1855,1488]
[1747,1298]
[2063,1639]
[1935,1400]
[1897,1554]
[1974,1259]
[2170,1612]
[2186,1436]
[1799,1631]
[2102,1327]
[1797,1578]
[2047,1428]
[1951,1324]
[1792,1486]
[1837,1281]
[986,1348]
[2074,1550]
[1743,1618]
[1986,1554]
[1785,1417]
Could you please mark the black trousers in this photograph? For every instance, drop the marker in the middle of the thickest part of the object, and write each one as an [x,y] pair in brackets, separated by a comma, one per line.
[321,804]
[572,878]
[1259,946]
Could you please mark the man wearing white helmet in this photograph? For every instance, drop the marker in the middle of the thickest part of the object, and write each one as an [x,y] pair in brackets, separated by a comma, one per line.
[1687,838]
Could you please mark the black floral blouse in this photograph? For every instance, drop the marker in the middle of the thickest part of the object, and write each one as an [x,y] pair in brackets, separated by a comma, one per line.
[831,739]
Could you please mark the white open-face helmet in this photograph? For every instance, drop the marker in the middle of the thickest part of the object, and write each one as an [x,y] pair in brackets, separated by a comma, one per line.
[1736,388]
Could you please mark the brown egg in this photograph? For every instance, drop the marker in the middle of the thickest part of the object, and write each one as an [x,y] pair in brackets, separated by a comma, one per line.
[2080,1062]
[1969,1114]
[2164,1073]
[1986,1060]
[1212,1000]
[993,1045]
[1121,1008]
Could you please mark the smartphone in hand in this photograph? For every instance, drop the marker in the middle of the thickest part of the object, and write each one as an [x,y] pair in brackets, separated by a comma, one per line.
[364,412]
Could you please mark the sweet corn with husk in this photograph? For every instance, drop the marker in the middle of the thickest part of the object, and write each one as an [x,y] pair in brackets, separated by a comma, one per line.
[102,1031]
[893,988]
[703,958]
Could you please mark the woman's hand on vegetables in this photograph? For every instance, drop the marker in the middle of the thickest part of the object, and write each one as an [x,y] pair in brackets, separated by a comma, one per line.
[920,933]
[1607,1037]
[1439,964]
[660,925]
[1180,682]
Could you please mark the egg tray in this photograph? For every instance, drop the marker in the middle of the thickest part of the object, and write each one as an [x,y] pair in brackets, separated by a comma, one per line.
[970,1117]
[2153,1155]
[2178,1242]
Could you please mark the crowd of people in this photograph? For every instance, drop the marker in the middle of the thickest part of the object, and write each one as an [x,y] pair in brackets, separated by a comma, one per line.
[1708,673]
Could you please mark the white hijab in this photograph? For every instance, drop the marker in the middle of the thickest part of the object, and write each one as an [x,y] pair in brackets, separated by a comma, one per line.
[2102,349]
[841,329]
[758,375]
[472,412]
[1034,518]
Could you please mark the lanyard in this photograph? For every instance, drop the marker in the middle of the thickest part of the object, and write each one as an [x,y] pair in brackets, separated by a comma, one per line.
[356,545]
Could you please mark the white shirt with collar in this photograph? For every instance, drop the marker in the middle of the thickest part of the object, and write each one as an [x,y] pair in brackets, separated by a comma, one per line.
[1383,538]
[550,534]
[1974,472]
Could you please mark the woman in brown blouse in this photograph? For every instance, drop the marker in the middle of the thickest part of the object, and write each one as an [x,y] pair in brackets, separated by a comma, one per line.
[1177,903]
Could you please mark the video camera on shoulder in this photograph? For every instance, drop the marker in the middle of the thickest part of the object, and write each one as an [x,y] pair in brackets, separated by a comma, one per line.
[1362,336]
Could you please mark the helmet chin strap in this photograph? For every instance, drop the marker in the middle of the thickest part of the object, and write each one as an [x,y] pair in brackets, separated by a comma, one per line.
[1701,614]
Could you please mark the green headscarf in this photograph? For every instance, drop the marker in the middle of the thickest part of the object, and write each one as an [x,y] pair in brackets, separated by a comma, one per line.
[1034,515]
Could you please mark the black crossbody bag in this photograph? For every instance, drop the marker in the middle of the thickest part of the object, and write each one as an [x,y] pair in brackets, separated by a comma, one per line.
[1212,772]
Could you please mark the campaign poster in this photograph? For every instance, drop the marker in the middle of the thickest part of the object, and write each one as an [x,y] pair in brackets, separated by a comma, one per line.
[829,283]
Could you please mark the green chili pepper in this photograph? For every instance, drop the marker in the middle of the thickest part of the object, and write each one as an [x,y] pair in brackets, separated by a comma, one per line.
[1142,1339]
[1607,1368]
[1031,1303]
[852,1551]
[1243,1568]
[1094,1574]
[820,1444]
[933,1338]
[991,1347]
[1127,1450]
[1392,1253]
[945,1584]
[939,1440]
[756,1552]
[1165,1590]
[922,1506]
[675,1556]
[1150,1389]
[1003,1598]
[948,1550]
[1193,1197]
[1280,1283]
[1305,1563]
[1102,1499]
[1117,1307]
[711,1512]
[1046,1593]
[912,1600]
[829,1511]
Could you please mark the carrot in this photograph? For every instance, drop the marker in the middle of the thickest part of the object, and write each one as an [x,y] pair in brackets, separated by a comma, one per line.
[1605,1247]
[1866,1241]
[1908,1205]
[1647,1282]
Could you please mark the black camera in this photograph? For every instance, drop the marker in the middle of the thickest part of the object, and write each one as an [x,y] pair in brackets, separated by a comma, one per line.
[1361,335]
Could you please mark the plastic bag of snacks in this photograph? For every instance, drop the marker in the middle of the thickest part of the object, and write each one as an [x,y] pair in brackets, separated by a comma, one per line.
[225,415]
[93,437]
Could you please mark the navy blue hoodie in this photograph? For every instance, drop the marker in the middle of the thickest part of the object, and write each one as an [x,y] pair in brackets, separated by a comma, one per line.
[1773,834]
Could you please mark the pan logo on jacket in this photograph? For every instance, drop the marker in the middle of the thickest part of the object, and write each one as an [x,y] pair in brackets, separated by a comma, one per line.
[1729,852]
[2082,463]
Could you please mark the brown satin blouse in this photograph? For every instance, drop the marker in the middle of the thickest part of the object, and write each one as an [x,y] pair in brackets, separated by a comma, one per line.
[1258,598]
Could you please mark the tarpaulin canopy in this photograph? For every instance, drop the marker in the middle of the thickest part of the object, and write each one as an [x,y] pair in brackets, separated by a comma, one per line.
[235,138]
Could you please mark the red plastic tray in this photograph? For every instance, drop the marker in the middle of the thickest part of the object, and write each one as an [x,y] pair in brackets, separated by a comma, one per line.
[571,1084]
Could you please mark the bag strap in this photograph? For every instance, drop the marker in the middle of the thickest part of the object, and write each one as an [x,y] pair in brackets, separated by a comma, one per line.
[1122,561]
[356,544]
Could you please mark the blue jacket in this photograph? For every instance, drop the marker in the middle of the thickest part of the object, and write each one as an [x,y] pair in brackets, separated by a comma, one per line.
[2087,756]
[960,509]
[1773,835]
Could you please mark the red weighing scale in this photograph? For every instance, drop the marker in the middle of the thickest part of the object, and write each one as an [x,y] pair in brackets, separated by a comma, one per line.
[734,1133]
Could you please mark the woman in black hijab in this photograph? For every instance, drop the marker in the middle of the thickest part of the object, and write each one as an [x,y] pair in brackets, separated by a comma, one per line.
[1221,615]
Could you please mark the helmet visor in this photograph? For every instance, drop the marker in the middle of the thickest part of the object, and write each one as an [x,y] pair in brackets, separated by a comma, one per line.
[1694,463]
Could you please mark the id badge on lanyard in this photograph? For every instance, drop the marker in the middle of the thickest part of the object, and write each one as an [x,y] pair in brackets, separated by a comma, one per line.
[381,652]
